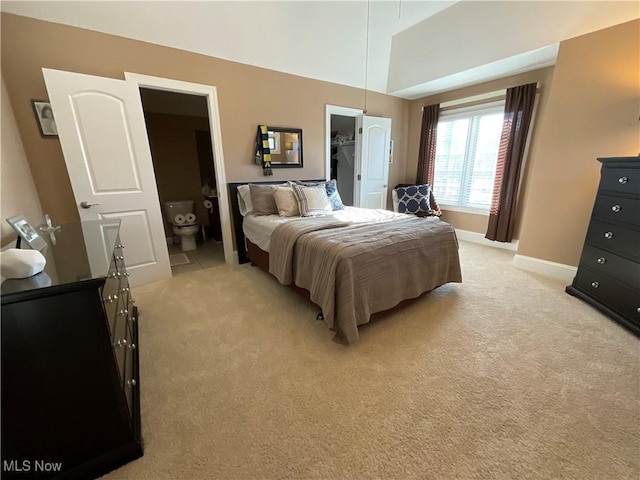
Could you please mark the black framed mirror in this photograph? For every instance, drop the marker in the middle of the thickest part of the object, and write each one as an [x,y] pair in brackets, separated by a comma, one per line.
[285,145]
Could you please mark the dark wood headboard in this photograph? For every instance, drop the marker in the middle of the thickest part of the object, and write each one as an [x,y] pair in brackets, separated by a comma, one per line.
[237,218]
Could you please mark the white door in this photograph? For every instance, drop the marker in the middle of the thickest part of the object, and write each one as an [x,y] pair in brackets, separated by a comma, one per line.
[372,181]
[105,145]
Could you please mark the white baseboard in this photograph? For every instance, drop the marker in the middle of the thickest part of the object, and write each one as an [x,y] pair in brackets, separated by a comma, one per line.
[476,237]
[544,267]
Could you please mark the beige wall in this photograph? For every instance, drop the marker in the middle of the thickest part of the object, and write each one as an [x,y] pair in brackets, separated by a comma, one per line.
[593,111]
[172,139]
[247,96]
[19,195]
[588,108]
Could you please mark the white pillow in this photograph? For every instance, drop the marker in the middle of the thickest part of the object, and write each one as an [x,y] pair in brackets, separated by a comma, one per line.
[286,202]
[312,201]
[395,199]
[21,263]
[244,200]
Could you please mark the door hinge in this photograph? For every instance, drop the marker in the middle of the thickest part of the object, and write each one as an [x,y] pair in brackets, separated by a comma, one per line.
[360,130]
[359,177]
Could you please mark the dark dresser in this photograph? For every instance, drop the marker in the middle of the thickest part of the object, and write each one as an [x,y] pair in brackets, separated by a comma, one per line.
[608,275]
[70,372]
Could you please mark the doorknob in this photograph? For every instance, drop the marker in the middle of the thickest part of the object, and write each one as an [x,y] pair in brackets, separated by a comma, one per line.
[85,204]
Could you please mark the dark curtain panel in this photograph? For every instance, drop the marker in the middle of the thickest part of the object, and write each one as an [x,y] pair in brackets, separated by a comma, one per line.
[517,118]
[427,152]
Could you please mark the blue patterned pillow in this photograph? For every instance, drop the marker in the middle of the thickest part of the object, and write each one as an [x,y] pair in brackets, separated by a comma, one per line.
[334,197]
[414,199]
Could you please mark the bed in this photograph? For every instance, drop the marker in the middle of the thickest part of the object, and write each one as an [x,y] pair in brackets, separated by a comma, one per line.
[353,263]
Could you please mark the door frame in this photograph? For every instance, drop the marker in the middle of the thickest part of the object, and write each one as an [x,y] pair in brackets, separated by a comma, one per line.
[211,93]
[345,112]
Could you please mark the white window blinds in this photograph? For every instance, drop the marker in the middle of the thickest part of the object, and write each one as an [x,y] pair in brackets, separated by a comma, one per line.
[467,146]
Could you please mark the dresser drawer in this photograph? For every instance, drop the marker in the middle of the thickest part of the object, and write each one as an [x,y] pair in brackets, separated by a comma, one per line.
[118,259]
[121,338]
[621,180]
[130,382]
[111,300]
[609,293]
[111,284]
[618,209]
[112,305]
[611,265]
[621,240]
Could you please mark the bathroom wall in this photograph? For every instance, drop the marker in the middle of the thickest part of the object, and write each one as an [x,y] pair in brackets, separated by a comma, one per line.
[172,139]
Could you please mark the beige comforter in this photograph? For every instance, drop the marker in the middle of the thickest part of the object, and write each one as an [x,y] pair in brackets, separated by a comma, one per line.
[355,270]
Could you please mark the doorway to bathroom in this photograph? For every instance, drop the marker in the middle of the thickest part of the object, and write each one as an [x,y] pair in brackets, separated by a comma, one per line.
[106,150]
[180,141]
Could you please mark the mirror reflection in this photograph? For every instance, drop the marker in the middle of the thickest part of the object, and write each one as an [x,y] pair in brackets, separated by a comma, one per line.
[286,147]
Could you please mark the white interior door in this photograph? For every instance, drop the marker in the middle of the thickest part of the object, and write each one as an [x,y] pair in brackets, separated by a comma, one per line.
[105,145]
[372,182]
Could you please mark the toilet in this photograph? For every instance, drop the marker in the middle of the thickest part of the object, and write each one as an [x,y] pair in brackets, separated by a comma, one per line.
[185,232]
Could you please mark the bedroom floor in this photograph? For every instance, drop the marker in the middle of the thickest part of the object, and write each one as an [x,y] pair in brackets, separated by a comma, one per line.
[502,376]
[208,254]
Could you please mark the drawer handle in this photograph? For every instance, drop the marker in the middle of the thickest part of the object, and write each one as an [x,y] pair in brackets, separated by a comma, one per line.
[124,289]
[608,235]
[623,180]
[120,245]
[602,260]
[132,346]
[638,309]
[119,257]
[595,284]
[616,208]
[111,298]
[123,312]
[121,343]
[131,383]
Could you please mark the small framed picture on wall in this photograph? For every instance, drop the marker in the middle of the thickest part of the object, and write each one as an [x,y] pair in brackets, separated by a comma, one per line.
[44,118]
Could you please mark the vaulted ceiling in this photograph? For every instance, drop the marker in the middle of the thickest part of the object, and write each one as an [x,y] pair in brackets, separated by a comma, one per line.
[404,48]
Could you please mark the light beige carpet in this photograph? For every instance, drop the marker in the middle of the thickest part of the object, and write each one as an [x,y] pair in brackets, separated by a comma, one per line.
[504,376]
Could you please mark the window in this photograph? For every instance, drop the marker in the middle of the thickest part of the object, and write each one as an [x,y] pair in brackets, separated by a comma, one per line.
[467,146]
